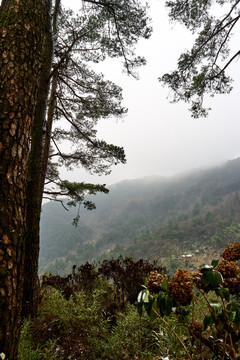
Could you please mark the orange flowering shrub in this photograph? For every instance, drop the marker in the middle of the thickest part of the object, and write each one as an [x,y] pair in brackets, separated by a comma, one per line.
[196,279]
[230,272]
[154,281]
[181,287]
[228,269]
[232,252]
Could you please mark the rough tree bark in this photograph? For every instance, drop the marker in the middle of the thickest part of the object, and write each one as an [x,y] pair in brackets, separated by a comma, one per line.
[22,28]
[37,168]
[34,191]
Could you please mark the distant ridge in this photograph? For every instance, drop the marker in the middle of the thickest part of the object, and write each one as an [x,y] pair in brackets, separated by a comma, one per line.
[144,217]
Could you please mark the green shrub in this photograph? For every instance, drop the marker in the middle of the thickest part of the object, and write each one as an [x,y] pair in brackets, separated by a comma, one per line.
[80,328]
[132,338]
[26,349]
[65,328]
[191,316]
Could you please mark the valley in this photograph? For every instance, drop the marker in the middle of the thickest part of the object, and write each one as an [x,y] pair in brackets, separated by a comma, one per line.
[180,221]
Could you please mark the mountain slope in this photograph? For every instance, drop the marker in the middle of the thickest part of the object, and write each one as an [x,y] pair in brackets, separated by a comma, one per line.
[144,217]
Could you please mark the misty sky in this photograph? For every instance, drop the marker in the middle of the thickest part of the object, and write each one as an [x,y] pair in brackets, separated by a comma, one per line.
[161,138]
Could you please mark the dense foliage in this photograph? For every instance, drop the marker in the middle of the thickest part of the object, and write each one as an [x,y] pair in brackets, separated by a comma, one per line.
[84,316]
[126,275]
[215,334]
[188,316]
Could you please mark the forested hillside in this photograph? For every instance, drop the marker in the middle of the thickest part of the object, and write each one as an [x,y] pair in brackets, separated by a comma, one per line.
[151,217]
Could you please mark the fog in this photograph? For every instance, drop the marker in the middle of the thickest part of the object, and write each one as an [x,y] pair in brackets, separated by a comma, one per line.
[161,138]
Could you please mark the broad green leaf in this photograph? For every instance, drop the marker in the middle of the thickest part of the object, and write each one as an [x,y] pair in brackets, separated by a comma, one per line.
[147,297]
[231,316]
[208,321]
[153,314]
[148,305]
[168,304]
[160,296]
[218,291]
[164,304]
[148,308]
[165,285]
[140,297]
[204,280]
[214,278]
[225,293]
[139,308]
[214,263]
[143,296]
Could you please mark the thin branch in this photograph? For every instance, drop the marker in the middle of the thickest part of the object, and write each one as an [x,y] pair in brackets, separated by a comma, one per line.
[102,4]
[87,49]
[53,155]
[216,320]
[66,113]
[210,38]
[223,42]
[67,117]
[231,10]
[61,201]
[112,10]
[53,182]
[66,53]
[55,193]
[71,88]
[59,151]
[79,84]
[174,332]
[228,63]
[48,182]
[74,156]
[219,30]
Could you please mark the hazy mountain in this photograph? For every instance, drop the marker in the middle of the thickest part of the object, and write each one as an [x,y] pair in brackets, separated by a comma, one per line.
[144,217]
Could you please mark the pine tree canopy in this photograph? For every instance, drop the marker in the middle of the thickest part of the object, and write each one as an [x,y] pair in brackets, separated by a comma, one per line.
[80,97]
[202,69]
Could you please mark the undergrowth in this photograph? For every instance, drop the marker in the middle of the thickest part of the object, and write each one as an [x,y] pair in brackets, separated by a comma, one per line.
[99,314]
[91,315]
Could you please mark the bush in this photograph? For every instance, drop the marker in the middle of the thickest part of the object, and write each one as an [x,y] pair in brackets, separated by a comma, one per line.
[85,278]
[132,338]
[191,316]
[78,328]
[127,276]
[215,334]
[26,348]
[73,327]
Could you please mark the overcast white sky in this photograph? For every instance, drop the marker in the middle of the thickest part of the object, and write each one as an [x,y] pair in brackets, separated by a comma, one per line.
[160,138]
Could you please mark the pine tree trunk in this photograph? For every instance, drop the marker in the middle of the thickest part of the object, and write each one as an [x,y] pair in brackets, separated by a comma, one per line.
[22,27]
[34,191]
[38,161]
